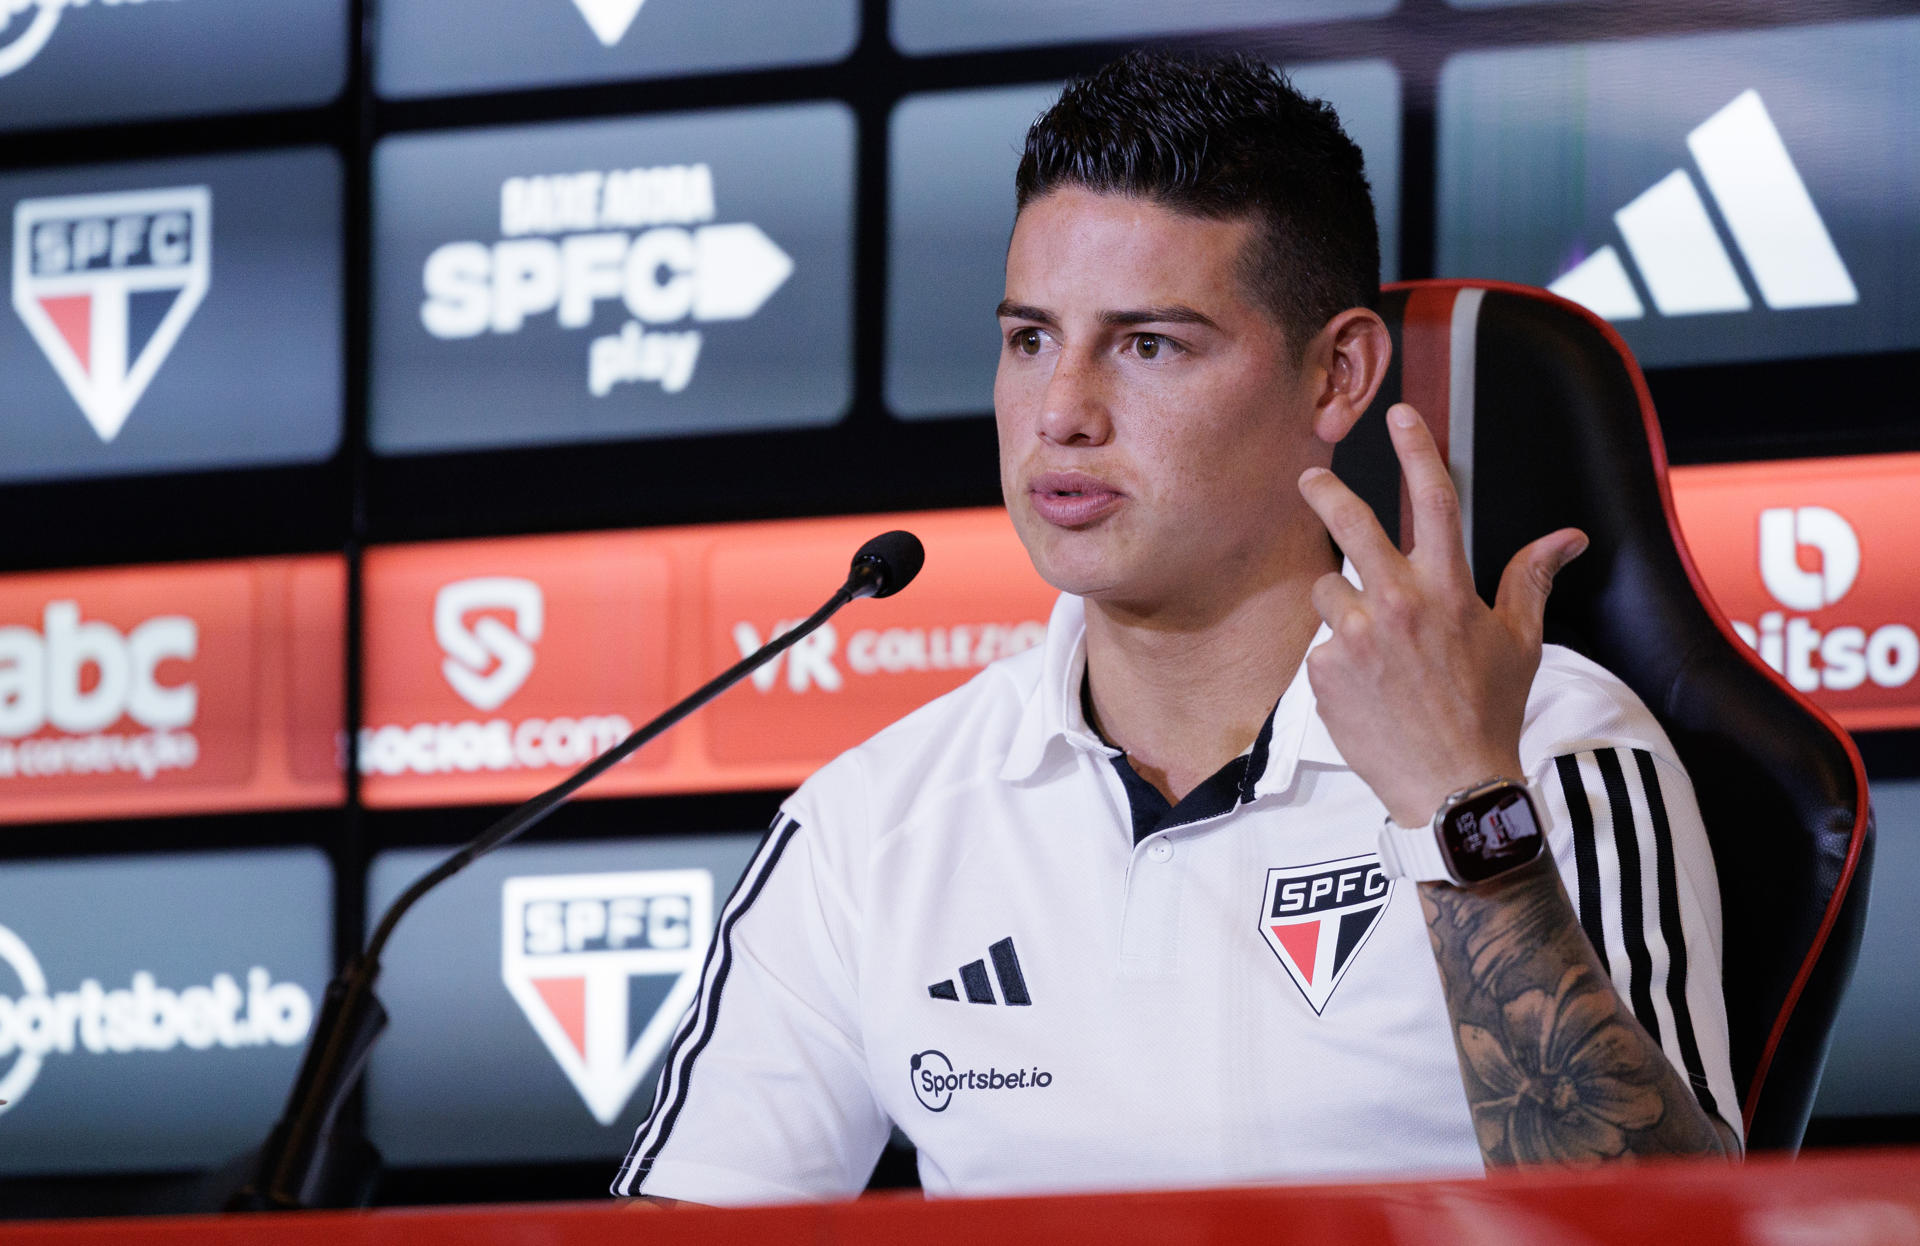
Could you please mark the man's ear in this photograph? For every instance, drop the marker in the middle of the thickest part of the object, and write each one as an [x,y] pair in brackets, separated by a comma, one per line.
[1349,359]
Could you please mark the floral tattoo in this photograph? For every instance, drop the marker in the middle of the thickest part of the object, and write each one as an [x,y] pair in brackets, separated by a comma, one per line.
[1557,1070]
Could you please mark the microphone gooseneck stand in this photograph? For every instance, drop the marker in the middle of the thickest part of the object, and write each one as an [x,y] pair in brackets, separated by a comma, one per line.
[292,1170]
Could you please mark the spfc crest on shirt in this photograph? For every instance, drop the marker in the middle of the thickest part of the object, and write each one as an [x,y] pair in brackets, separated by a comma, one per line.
[105,283]
[604,965]
[1317,917]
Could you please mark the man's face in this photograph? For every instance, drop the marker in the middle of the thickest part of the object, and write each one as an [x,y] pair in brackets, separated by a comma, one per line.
[1151,421]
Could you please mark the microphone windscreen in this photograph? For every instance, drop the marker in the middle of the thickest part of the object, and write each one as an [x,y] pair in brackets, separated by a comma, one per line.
[899,556]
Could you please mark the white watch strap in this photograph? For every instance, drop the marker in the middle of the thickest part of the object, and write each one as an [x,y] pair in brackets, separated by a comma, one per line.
[1412,852]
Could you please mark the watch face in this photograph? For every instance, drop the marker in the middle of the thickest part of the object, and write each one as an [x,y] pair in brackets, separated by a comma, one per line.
[1487,835]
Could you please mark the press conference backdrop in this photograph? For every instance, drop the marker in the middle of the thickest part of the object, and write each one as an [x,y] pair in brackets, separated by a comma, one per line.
[402,398]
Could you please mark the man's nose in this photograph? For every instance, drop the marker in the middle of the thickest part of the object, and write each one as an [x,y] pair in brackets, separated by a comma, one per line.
[1074,409]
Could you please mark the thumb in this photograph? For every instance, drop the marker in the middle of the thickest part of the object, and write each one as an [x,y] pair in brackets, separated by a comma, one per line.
[1524,585]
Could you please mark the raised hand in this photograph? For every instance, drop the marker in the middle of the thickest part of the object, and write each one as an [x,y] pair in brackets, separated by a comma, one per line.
[1423,687]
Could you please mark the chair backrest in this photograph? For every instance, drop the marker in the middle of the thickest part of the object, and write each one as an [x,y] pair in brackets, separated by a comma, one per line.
[1547,422]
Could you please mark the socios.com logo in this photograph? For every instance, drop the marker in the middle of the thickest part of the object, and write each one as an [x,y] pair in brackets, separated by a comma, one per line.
[936,1081]
[487,661]
[38,1023]
[1837,658]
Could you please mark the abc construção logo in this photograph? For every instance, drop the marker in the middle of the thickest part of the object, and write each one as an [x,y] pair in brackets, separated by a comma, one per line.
[143,1016]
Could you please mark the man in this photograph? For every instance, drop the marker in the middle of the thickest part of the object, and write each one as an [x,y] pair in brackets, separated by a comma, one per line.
[1121,911]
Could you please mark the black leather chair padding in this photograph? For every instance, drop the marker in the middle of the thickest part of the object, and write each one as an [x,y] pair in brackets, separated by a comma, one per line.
[1560,439]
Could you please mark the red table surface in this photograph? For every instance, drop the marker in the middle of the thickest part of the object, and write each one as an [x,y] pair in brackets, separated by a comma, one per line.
[1859,1199]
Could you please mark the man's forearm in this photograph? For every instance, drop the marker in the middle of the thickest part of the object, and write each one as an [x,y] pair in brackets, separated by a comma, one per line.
[1557,1069]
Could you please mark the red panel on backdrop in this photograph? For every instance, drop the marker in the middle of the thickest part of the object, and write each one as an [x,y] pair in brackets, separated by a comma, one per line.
[1813,562]
[183,689]
[494,667]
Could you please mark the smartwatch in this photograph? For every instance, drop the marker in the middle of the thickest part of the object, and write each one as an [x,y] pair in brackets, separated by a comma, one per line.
[1480,833]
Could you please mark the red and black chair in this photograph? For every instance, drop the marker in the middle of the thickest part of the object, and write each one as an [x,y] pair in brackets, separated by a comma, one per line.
[1547,422]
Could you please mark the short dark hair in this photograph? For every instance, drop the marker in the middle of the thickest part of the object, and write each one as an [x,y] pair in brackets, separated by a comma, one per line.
[1223,138]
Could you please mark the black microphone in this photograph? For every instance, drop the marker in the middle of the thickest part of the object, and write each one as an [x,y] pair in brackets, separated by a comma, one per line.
[886,564]
[302,1164]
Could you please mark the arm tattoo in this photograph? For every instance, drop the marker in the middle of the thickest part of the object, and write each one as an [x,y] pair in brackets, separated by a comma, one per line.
[1556,1067]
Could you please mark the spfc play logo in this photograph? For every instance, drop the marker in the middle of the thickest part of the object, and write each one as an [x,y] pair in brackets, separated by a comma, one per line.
[1316,917]
[604,965]
[105,283]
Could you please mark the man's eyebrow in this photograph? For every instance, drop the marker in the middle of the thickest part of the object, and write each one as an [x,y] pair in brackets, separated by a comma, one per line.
[1174,313]
[1010,310]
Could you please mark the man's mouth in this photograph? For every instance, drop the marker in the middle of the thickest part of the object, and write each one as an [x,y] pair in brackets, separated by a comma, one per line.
[1073,499]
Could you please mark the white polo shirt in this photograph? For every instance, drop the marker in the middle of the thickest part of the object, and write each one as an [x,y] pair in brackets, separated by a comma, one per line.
[981,926]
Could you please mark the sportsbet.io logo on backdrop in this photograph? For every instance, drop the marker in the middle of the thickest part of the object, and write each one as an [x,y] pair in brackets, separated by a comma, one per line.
[26,25]
[106,283]
[604,965]
[38,1023]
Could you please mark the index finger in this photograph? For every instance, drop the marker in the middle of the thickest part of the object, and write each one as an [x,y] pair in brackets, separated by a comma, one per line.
[1437,540]
[1352,524]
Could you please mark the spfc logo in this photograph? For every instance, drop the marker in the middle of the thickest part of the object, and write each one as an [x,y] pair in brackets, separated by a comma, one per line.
[604,965]
[105,283]
[1316,917]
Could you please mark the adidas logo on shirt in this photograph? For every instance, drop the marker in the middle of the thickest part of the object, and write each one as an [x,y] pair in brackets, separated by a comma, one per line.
[1683,264]
[973,978]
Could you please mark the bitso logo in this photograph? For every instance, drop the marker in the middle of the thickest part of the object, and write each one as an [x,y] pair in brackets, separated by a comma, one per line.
[38,1023]
[37,18]
[604,965]
[642,237]
[106,283]
[81,678]
[1317,917]
[1809,560]
[609,18]
[935,1080]
[488,642]
[1686,268]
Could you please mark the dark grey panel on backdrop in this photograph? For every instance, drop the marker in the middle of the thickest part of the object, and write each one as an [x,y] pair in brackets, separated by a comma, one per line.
[927,26]
[171,315]
[1873,1067]
[603,280]
[437,47]
[533,996]
[153,1009]
[68,62]
[950,210]
[1720,198]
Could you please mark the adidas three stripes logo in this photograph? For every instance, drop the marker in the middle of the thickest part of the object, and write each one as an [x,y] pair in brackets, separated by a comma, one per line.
[1675,245]
[973,979]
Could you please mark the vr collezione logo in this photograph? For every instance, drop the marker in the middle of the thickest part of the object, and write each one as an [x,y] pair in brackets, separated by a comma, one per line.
[1848,657]
[646,239]
[39,1023]
[815,660]
[577,951]
[487,627]
[106,283]
[26,25]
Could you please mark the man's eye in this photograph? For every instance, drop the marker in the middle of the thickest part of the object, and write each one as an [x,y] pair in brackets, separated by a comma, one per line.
[1026,341]
[1151,346]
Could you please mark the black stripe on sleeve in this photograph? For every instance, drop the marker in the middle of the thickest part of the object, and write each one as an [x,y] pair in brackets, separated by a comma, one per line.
[1674,933]
[1632,911]
[706,1006]
[1585,859]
